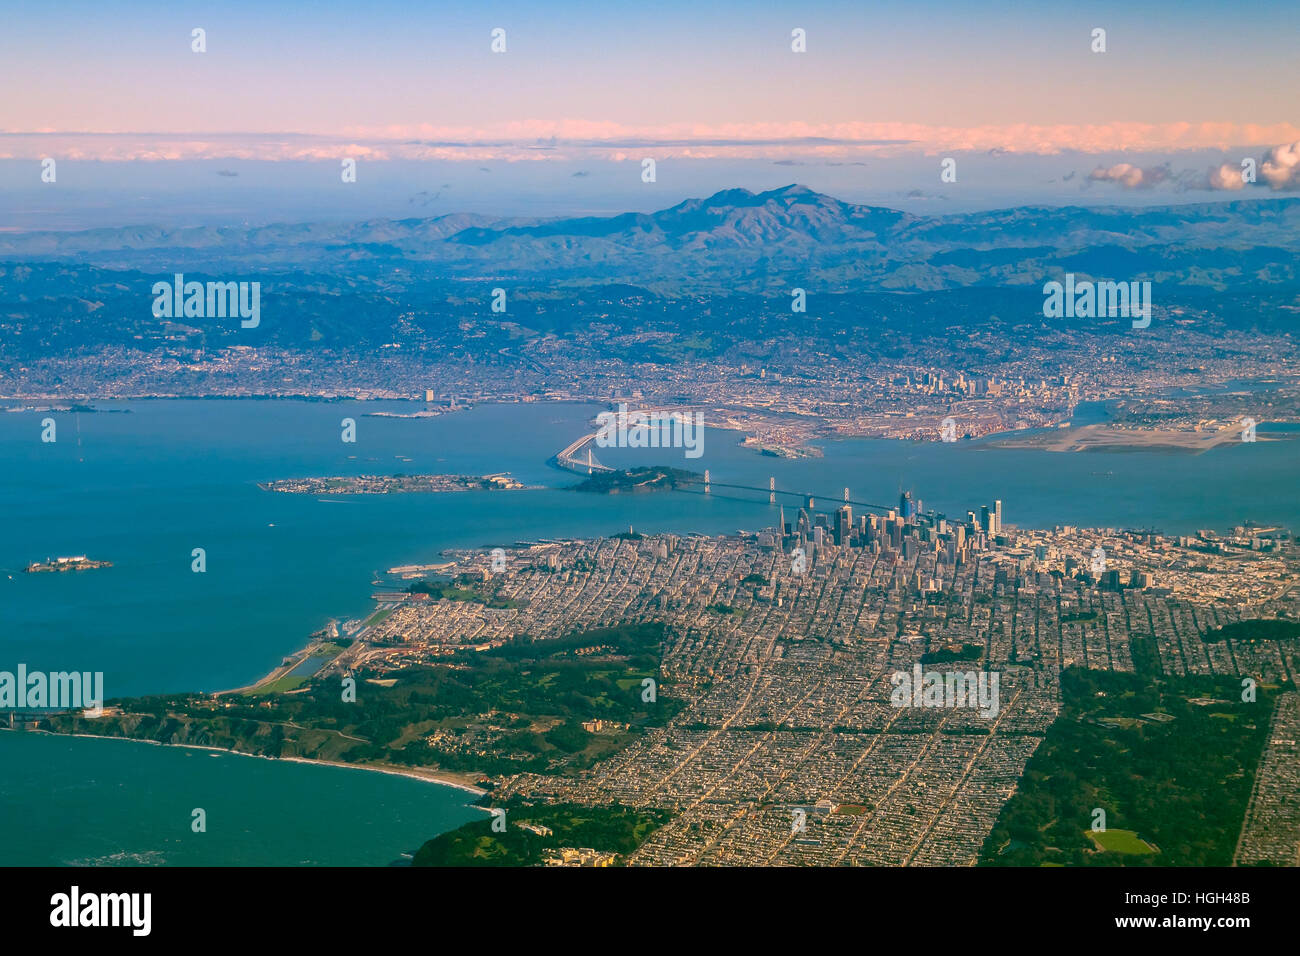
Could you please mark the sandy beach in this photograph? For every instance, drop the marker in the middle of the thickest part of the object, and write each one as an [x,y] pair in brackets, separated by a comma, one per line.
[445,778]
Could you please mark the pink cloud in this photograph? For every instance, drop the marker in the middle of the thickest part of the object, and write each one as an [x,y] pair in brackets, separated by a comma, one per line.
[577,139]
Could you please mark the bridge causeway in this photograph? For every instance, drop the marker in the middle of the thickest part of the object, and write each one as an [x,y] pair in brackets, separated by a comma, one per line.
[572,458]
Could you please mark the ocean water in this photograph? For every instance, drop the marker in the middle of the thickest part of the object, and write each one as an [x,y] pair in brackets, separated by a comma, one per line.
[79,801]
[144,483]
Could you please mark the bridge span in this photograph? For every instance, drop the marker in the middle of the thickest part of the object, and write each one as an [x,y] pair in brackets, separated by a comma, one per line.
[573,458]
[773,491]
[578,456]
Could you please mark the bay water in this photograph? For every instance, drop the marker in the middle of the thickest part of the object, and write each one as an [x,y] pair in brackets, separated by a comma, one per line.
[144,483]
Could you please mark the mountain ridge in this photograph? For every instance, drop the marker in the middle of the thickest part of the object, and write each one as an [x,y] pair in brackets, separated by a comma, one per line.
[732,240]
[692,211]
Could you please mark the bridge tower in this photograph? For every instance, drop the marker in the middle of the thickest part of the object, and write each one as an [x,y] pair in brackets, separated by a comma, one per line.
[589,459]
[771,490]
[846,496]
[706,481]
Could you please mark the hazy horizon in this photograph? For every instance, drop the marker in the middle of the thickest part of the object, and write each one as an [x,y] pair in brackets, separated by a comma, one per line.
[178,114]
[92,195]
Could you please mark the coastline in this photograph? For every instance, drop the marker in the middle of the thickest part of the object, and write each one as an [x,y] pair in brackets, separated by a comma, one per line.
[1104,437]
[442,778]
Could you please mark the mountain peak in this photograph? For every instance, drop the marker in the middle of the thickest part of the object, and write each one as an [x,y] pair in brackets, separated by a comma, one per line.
[744,197]
[737,196]
[794,189]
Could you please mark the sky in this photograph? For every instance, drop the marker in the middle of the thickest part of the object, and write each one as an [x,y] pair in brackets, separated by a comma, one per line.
[584,91]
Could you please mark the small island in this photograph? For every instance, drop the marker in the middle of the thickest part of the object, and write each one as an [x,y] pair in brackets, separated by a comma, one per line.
[391,484]
[637,480]
[75,563]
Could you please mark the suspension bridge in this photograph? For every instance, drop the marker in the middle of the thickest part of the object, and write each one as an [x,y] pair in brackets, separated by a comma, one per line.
[579,457]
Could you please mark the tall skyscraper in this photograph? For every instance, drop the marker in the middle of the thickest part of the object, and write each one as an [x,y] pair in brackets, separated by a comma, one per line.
[997,516]
[843,525]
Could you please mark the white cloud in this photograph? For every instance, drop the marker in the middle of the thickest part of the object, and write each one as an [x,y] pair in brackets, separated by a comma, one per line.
[1227,176]
[1281,166]
[1130,176]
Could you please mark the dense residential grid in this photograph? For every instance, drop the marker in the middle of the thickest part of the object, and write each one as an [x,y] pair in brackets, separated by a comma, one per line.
[789,749]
